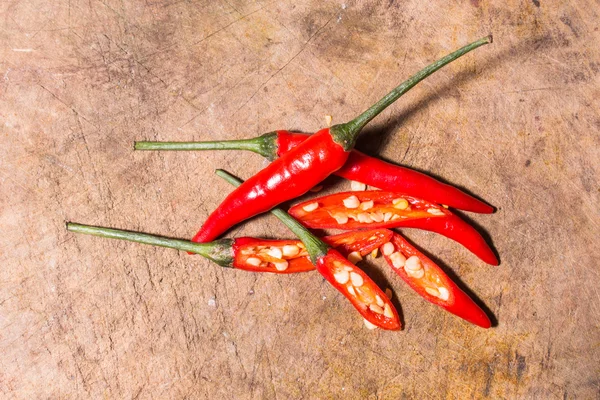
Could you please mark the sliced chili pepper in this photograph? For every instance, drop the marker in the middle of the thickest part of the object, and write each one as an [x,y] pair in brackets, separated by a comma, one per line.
[428,280]
[303,167]
[250,254]
[364,294]
[380,209]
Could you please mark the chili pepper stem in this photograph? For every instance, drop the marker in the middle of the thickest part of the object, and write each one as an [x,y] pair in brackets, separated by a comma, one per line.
[218,251]
[346,134]
[265,145]
[316,247]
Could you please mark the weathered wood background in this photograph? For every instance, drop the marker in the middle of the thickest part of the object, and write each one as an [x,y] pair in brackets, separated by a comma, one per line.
[515,122]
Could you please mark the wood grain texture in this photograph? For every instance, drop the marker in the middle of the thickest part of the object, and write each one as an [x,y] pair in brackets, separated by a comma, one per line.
[515,123]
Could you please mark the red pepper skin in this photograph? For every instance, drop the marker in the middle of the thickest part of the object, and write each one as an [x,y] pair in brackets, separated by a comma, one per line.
[394,178]
[458,302]
[326,266]
[447,223]
[290,176]
[363,242]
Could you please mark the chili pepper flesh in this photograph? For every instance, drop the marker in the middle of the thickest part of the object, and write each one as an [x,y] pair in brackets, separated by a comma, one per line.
[309,163]
[364,294]
[380,209]
[429,281]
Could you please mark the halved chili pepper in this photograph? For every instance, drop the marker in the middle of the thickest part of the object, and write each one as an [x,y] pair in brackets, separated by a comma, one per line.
[379,209]
[250,254]
[347,278]
[428,280]
[307,164]
[359,167]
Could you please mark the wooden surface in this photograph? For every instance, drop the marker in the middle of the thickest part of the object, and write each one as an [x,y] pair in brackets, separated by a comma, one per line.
[515,123]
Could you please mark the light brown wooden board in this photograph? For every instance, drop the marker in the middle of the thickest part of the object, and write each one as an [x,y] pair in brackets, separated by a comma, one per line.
[515,123]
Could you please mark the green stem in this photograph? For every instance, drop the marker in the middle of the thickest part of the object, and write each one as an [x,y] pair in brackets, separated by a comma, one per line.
[265,145]
[346,134]
[219,251]
[316,247]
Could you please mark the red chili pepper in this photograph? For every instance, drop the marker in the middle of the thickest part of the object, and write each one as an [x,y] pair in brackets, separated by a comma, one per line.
[307,164]
[347,278]
[250,254]
[379,209]
[428,280]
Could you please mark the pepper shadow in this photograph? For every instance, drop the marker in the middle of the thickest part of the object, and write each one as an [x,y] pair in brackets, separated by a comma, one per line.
[455,278]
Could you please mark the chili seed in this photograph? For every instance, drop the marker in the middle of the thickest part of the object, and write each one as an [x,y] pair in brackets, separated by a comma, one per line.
[377,216]
[311,207]
[351,290]
[432,291]
[435,211]
[400,204]
[340,218]
[328,120]
[281,266]
[341,276]
[387,311]
[351,202]
[387,216]
[376,309]
[379,301]
[354,257]
[356,279]
[395,217]
[387,249]
[369,325]
[364,217]
[413,263]
[416,274]
[275,252]
[290,250]
[444,293]
[375,253]
[398,259]
[358,186]
[365,205]
[255,262]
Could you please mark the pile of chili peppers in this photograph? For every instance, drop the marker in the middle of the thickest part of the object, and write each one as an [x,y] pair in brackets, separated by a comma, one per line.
[300,162]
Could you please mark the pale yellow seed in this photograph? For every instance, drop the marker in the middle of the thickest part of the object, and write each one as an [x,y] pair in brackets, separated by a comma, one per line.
[358,186]
[351,290]
[377,216]
[444,293]
[432,291]
[444,205]
[416,274]
[379,300]
[356,279]
[365,205]
[387,216]
[387,249]
[255,262]
[387,311]
[348,268]
[275,252]
[395,217]
[398,260]
[376,309]
[364,218]
[369,325]
[301,245]
[328,120]
[351,202]
[341,277]
[435,211]
[388,293]
[311,207]
[413,263]
[340,218]
[281,266]
[400,204]
[354,257]
[291,250]
[375,253]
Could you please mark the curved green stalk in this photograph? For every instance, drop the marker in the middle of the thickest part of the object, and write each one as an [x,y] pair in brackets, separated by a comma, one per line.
[219,251]
[316,247]
[265,145]
[346,134]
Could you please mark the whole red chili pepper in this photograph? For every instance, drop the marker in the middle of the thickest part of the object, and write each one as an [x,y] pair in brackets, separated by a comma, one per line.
[359,167]
[307,164]
[250,254]
[429,281]
[379,209]
[347,278]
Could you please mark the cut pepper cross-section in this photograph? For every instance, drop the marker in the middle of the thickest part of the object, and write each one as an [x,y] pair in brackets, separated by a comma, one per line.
[381,209]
